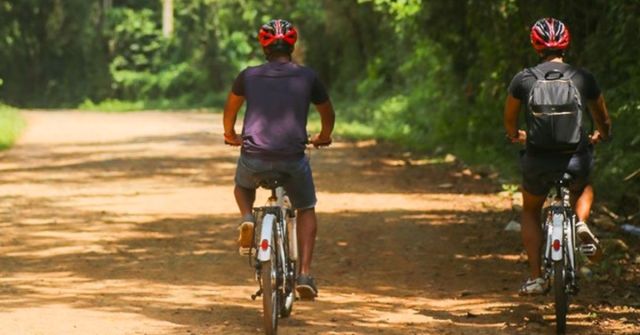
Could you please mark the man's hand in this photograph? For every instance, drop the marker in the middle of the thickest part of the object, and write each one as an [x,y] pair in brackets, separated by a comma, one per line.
[596,137]
[233,139]
[520,138]
[318,140]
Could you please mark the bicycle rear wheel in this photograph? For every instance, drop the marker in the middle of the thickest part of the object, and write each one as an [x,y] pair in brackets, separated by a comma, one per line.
[288,297]
[270,293]
[561,297]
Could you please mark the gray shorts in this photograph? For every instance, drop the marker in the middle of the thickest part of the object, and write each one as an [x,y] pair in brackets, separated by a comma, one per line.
[299,187]
[539,169]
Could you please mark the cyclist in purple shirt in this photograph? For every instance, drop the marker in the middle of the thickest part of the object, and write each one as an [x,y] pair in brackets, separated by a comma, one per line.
[274,137]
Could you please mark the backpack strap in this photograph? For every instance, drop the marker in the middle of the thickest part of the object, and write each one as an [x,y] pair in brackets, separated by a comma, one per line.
[569,73]
[539,75]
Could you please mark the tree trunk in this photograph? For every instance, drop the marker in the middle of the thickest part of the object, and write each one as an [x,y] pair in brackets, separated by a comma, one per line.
[167,18]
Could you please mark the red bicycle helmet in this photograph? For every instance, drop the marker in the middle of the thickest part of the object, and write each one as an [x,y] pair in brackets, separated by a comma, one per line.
[549,34]
[278,35]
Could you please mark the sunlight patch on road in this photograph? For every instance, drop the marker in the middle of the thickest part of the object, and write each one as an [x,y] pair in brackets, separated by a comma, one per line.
[65,303]
[337,202]
[511,257]
[393,313]
[65,319]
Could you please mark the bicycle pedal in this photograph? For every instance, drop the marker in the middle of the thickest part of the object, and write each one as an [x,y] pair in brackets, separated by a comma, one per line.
[588,249]
[246,251]
[573,290]
[257,294]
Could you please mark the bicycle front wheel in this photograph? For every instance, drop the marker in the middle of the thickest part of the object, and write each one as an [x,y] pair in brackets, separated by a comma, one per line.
[561,298]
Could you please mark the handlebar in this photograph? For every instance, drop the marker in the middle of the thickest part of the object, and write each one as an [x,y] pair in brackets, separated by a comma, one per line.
[320,144]
[594,138]
[307,143]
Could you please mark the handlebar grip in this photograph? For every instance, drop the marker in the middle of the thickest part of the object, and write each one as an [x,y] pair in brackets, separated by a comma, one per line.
[321,145]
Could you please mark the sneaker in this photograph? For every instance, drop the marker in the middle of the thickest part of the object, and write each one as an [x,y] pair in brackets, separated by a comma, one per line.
[585,234]
[587,237]
[306,288]
[245,240]
[535,286]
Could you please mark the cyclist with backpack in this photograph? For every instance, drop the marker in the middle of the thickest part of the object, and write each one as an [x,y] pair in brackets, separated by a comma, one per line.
[274,137]
[557,98]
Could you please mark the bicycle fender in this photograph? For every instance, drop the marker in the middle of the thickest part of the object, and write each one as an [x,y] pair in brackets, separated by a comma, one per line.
[557,237]
[264,246]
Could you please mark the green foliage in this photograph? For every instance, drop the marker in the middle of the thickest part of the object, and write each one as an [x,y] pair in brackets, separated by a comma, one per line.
[50,52]
[460,59]
[431,75]
[11,125]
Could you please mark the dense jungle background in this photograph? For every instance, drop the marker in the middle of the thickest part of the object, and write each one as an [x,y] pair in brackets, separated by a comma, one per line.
[431,75]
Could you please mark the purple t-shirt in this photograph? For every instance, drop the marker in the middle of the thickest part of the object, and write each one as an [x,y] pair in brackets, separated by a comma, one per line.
[278,95]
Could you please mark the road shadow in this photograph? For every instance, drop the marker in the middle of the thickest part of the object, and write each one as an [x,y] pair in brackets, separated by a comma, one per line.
[447,267]
[388,272]
[197,158]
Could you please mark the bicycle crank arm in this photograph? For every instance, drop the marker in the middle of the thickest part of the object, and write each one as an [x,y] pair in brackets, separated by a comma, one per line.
[588,249]
[257,294]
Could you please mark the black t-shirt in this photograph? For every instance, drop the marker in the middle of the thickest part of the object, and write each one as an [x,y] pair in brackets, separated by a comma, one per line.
[278,96]
[583,80]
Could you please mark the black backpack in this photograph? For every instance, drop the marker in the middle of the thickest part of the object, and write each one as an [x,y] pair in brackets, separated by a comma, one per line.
[554,111]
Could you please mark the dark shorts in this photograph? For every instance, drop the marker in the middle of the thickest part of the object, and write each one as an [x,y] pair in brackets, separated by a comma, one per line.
[299,187]
[539,169]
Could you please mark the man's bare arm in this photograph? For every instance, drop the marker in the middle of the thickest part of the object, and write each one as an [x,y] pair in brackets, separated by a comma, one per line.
[231,108]
[511,111]
[598,109]
[327,119]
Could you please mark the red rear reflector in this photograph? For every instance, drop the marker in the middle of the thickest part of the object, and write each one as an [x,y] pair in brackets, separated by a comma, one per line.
[264,245]
[556,245]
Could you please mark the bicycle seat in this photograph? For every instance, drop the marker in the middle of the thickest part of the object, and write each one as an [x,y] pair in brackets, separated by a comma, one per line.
[271,179]
[558,177]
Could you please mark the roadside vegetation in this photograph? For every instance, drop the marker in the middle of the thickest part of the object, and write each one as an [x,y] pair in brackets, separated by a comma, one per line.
[11,124]
[429,75]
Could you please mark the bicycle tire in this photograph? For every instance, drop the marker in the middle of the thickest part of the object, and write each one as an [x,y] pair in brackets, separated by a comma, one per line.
[289,281]
[270,294]
[561,297]
[286,309]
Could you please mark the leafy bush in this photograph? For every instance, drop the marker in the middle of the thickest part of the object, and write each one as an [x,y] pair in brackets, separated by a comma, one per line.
[11,124]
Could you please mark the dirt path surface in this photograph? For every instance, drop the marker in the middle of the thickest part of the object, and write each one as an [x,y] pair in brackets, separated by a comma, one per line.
[125,224]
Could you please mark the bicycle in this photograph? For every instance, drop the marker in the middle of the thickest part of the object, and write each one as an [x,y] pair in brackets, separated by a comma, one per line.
[559,254]
[276,251]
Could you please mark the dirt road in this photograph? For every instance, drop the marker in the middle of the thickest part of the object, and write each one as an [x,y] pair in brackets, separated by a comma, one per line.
[125,224]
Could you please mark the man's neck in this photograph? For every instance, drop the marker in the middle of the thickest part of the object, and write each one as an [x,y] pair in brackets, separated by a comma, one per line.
[554,59]
[280,59]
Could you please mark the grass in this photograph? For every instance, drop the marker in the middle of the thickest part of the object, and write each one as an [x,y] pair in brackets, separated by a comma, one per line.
[11,125]
[348,130]
[181,103]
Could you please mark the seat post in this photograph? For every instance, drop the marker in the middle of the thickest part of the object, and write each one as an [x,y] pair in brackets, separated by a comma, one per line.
[559,190]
